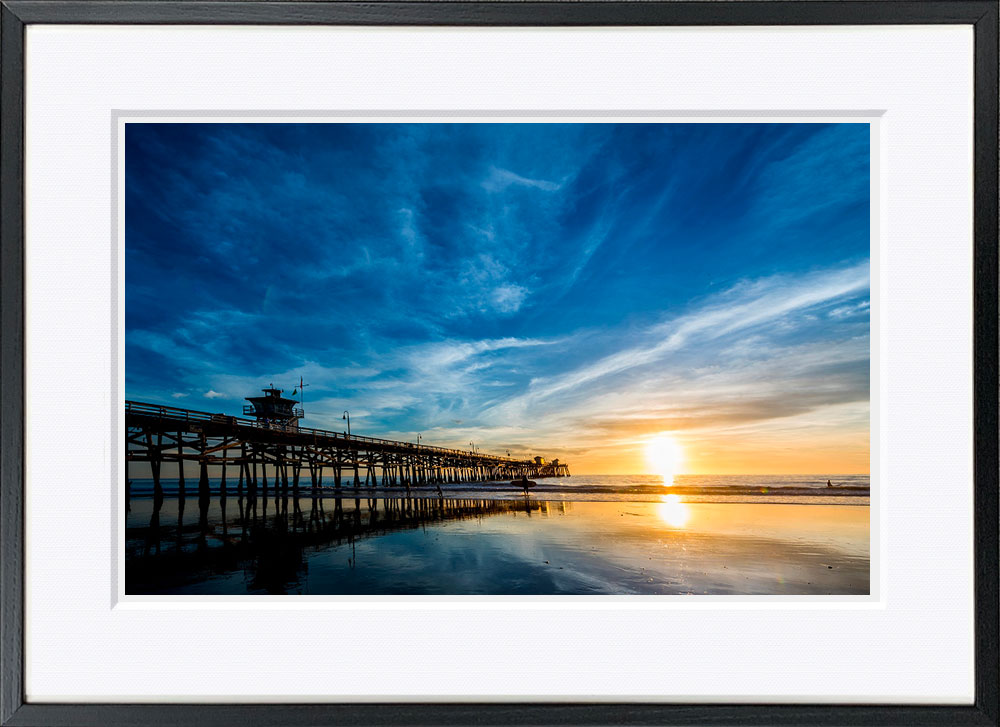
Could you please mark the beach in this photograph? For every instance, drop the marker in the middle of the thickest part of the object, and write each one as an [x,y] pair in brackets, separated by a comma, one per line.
[496,544]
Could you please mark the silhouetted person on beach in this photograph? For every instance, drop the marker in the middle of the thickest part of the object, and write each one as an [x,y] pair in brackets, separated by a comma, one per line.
[525,483]
[829,484]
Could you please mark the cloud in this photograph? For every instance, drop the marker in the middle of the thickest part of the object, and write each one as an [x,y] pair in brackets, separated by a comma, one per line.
[214,395]
[488,288]
[178,395]
[508,298]
[500,179]
[847,311]
[743,307]
[771,383]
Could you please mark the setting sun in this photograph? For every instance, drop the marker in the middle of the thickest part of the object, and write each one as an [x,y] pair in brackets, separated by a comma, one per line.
[665,457]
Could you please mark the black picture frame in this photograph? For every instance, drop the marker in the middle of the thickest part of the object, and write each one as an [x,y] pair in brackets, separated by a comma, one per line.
[16,15]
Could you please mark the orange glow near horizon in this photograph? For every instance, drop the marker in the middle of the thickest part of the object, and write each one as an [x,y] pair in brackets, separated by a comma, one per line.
[797,453]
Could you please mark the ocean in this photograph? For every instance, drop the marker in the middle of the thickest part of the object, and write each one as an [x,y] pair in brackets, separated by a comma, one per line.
[778,489]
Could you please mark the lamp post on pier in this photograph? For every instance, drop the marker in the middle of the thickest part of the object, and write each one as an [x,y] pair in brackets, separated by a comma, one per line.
[347,416]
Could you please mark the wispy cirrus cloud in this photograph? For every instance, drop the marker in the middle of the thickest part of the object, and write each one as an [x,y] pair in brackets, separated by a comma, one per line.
[741,308]
[500,179]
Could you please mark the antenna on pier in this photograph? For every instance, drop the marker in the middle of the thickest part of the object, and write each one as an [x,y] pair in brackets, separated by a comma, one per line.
[302,397]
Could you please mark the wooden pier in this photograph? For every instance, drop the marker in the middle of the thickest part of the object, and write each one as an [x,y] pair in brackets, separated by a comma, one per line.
[255,454]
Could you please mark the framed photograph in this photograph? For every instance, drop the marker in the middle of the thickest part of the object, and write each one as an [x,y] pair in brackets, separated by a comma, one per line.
[504,363]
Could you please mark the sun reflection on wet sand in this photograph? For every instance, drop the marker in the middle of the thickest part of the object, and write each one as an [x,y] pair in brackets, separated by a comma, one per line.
[673,511]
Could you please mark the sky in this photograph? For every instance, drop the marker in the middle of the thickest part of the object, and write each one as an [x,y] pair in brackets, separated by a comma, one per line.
[567,290]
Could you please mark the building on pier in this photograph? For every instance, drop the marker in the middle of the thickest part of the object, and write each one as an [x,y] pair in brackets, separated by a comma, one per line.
[273,410]
[555,468]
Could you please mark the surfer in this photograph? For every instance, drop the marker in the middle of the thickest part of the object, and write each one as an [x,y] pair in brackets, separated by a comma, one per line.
[525,483]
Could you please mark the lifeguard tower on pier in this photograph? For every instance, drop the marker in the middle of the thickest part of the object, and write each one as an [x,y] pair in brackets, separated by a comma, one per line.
[273,410]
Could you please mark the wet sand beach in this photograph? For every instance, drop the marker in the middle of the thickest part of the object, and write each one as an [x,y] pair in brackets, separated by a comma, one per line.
[451,546]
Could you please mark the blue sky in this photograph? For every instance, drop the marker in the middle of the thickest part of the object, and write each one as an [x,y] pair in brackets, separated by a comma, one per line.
[561,289]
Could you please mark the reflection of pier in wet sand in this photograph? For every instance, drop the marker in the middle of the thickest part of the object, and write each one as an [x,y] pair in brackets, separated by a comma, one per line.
[265,539]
